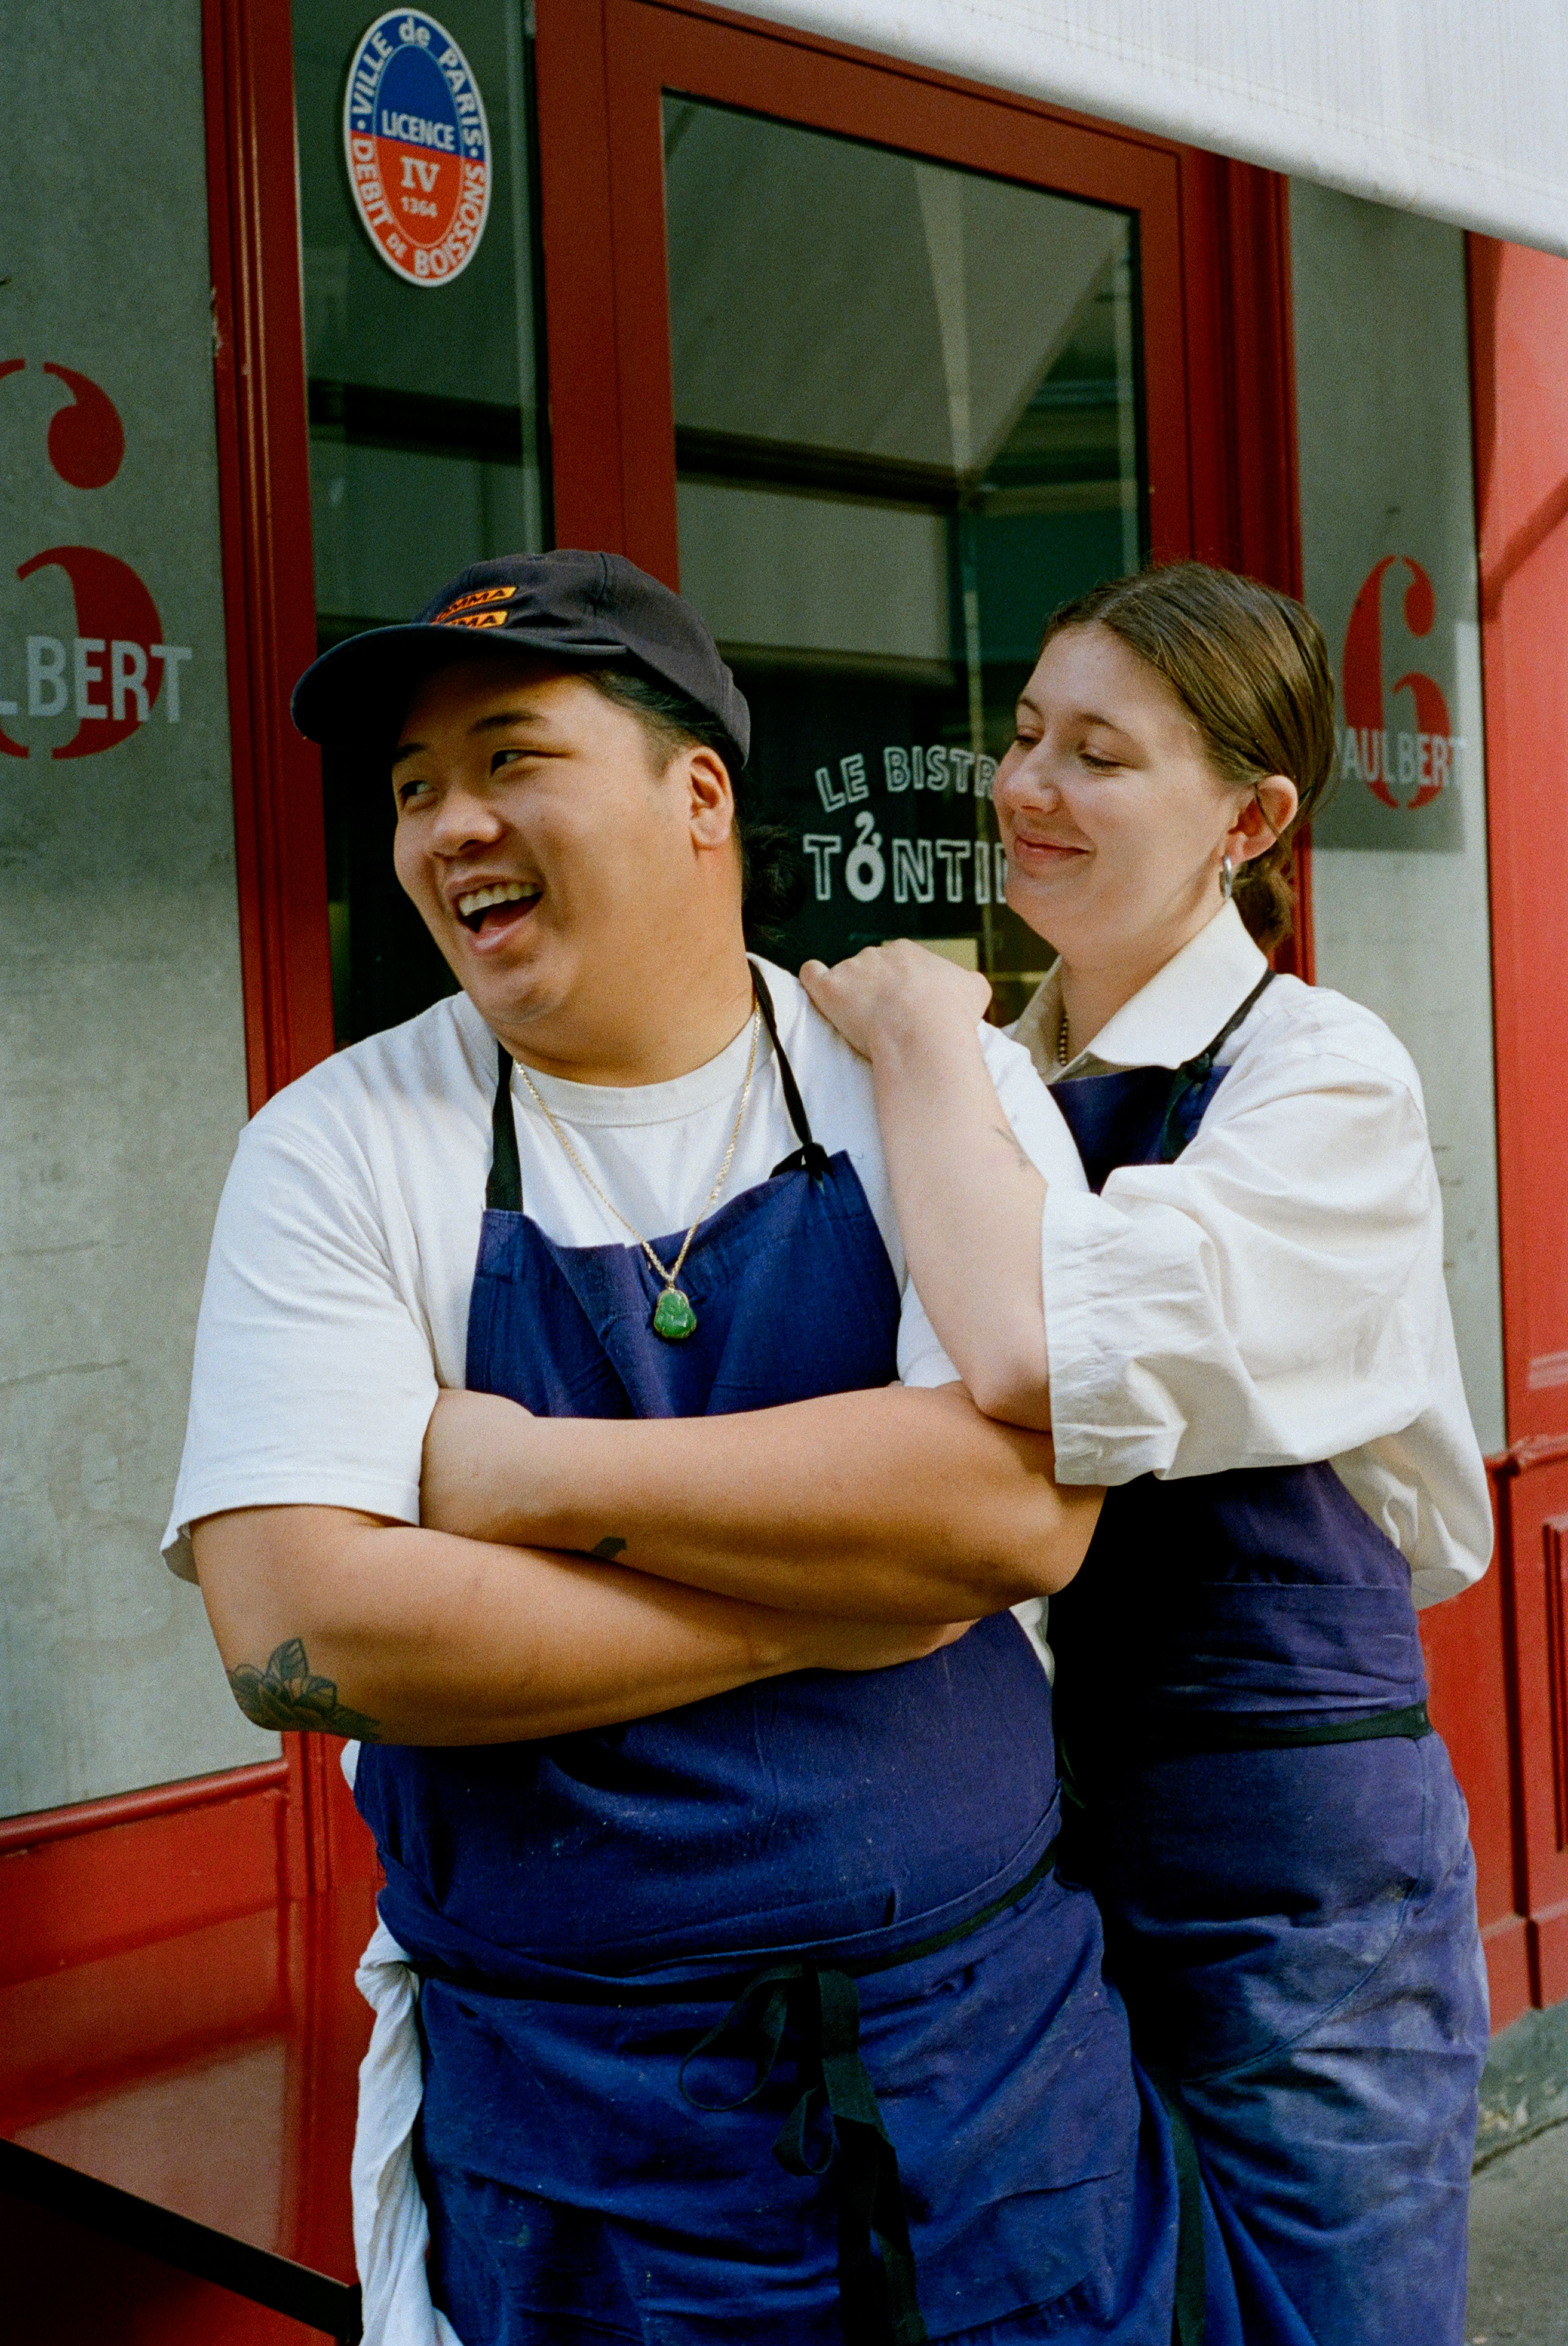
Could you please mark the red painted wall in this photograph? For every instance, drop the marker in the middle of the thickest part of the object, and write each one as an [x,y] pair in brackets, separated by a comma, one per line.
[1514,1637]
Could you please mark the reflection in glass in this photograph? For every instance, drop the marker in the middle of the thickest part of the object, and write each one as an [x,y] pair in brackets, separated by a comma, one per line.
[424,439]
[906,429]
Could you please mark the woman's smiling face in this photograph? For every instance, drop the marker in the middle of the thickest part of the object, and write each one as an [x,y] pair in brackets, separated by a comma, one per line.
[1114,820]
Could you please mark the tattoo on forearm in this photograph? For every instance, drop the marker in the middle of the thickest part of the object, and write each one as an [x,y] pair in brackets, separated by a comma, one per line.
[607,1549]
[288,1694]
[1005,1132]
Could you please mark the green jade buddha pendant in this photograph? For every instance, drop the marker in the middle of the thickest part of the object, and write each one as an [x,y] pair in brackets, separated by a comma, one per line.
[673,1318]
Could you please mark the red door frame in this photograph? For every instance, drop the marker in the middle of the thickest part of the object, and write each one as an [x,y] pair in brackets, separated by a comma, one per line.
[264,490]
[1519,356]
[1219,371]
[1214,249]
[650,48]
[1216,282]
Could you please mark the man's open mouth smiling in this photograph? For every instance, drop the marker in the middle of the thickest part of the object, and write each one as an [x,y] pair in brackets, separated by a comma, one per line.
[492,911]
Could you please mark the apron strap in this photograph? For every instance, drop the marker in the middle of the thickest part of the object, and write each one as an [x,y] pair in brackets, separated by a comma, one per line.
[1191,2270]
[1193,1074]
[503,1190]
[1242,1731]
[821,2004]
[810,1156]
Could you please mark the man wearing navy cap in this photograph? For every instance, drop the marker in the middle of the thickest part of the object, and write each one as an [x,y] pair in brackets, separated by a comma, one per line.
[725,1989]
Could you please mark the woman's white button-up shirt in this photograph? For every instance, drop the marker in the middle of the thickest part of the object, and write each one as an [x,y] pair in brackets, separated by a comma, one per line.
[1275,1296]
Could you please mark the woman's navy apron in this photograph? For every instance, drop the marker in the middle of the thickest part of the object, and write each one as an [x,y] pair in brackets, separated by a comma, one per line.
[1276,1840]
[744,2022]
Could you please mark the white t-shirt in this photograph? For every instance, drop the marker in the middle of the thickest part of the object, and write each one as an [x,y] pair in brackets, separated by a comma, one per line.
[336,1303]
[336,1306]
[1277,1295]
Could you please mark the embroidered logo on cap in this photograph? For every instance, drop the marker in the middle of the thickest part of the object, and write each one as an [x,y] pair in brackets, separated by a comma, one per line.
[481,595]
[484,608]
[417,145]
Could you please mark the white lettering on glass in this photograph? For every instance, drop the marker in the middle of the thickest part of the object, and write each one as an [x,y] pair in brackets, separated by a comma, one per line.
[952,854]
[821,847]
[86,672]
[47,691]
[913,873]
[865,874]
[171,655]
[127,681]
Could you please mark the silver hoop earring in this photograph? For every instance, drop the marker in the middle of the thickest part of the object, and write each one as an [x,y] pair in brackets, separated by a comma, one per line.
[1226,878]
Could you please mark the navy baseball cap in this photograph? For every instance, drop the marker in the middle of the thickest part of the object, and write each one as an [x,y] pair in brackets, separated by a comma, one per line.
[591,610]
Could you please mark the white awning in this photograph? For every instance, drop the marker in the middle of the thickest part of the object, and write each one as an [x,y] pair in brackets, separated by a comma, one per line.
[1457,109]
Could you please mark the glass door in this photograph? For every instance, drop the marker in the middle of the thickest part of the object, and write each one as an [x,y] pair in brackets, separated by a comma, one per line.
[907,425]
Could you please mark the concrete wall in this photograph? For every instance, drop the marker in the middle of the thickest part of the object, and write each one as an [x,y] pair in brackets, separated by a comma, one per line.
[121,1046]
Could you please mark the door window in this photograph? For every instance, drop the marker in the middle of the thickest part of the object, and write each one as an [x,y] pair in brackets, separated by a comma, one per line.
[1401,900]
[423,384]
[907,427]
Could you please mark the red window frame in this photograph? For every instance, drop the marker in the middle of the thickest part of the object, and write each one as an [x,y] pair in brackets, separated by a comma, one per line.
[1220,435]
[1217,376]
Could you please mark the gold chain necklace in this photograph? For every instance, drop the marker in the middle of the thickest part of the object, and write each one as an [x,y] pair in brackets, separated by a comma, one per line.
[1063,1045]
[673,1316]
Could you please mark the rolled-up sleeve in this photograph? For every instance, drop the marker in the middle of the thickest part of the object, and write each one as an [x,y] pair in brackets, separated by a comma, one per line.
[313,1380]
[1273,1298]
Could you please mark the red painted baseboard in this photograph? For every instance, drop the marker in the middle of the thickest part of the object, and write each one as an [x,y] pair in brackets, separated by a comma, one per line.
[1548,1937]
[1506,1944]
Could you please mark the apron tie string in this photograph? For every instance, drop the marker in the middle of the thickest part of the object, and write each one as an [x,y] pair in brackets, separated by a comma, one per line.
[1191,1076]
[1191,2278]
[878,2298]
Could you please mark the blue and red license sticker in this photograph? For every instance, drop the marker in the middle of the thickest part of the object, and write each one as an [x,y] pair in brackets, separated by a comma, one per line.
[417,146]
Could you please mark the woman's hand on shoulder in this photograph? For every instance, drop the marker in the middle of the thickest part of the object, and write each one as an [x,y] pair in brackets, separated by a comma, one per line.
[893,993]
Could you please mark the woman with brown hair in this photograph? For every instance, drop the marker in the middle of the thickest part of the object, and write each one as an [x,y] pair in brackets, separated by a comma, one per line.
[1242,1331]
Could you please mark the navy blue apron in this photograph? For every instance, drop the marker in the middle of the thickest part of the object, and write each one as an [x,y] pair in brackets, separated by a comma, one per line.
[755,2019]
[1276,1840]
